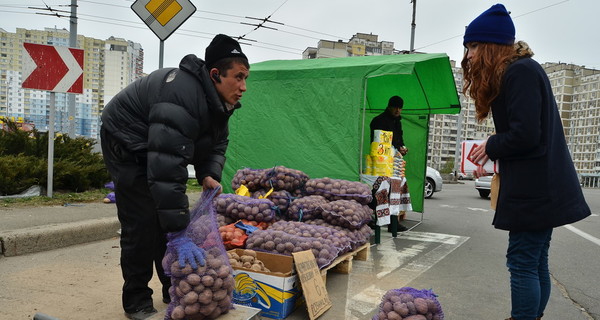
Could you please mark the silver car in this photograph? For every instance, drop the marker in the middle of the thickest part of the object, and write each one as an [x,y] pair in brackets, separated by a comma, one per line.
[433,182]
[484,185]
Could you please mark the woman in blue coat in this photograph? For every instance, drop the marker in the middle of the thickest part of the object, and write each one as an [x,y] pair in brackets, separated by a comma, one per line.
[529,145]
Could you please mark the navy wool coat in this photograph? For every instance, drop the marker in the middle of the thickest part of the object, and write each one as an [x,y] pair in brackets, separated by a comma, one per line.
[539,187]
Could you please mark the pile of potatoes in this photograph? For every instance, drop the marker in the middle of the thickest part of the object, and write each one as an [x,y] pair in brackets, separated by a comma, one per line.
[347,213]
[409,304]
[339,239]
[239,207]
[306,208]
[280,242]
[247,260]
[337,189]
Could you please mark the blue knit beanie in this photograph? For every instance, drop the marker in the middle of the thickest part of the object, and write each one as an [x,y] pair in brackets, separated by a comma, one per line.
[493,26]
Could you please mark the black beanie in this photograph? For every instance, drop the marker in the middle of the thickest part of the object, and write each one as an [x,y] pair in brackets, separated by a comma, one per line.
[492,26]
[221,47]
[396,101]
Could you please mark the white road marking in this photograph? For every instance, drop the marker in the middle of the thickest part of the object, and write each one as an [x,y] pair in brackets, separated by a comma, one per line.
[422,251]
[584,235]
[478,209]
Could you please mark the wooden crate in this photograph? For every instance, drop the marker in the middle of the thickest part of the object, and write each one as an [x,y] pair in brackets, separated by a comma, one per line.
[343,263]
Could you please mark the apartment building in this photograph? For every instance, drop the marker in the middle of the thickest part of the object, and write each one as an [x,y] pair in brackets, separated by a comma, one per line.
[113,63]
[361,44]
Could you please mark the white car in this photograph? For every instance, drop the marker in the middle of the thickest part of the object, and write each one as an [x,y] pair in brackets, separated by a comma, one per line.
[433,182]
[484,185]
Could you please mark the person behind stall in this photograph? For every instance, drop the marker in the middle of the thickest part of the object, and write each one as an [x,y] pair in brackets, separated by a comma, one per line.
[150,132]
[390,120]
[529,145]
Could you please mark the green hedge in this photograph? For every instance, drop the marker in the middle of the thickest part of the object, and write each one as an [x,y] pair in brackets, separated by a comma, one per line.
[24,162]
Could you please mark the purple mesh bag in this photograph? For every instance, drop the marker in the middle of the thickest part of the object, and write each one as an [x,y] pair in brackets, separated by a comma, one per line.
[280,242]
[357,237]
[347,213]
[281,198]
[337,189]
[239,207]
[251,178]
[204,293]
[282,178]
[306,208]
[410,303]
[339,239]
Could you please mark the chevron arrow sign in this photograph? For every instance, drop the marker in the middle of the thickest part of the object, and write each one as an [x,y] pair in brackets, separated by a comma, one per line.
[52,68]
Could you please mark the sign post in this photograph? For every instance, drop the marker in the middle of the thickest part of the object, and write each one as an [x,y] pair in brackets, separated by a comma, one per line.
[54,69]
[163,17]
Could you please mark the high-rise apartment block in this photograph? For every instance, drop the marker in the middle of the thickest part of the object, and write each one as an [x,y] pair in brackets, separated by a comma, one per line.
[109,66]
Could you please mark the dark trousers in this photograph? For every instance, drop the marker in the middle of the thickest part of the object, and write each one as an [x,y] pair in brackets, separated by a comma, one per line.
[143,243]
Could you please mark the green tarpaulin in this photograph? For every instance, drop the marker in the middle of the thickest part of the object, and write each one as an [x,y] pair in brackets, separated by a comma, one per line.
[313,115]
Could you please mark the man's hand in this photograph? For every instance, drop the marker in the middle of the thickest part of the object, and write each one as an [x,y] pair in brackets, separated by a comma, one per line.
[187,252]
[403,150]
[208,183]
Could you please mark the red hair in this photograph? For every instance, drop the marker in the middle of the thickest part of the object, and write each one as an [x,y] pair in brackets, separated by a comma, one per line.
[483,73]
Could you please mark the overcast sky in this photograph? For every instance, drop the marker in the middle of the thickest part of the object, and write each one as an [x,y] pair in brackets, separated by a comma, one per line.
[557,30]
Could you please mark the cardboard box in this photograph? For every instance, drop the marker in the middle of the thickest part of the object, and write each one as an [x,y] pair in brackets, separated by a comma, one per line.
[276,293]
[467,165]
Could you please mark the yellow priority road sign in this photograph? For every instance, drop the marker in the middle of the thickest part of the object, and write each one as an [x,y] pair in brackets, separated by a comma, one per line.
[163,16]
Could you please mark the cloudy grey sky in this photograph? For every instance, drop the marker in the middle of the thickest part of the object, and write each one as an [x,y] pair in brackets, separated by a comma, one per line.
[557,30]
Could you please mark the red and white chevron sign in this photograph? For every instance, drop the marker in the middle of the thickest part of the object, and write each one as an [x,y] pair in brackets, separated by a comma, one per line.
[52,68]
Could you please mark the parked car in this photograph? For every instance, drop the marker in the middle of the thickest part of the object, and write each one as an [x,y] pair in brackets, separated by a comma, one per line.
[463,176]
[433,182]
[484,185]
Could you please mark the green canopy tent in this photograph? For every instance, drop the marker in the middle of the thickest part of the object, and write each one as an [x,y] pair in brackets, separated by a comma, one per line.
[313,115]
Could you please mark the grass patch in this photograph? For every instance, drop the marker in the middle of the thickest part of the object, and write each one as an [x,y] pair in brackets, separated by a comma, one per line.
[64,198]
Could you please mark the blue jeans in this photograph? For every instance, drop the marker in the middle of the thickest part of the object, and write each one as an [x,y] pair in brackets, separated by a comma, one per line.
[527,262]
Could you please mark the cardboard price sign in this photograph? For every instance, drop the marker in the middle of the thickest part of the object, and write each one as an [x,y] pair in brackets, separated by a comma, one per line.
[315,292]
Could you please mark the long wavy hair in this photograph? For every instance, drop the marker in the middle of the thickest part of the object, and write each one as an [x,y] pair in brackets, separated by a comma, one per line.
[483,73]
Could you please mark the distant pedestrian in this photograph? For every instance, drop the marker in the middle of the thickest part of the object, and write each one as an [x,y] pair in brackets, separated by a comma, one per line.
[529,145]
[151,131]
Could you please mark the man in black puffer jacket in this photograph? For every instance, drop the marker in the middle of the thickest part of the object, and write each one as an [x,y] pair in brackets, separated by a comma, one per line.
[151,131]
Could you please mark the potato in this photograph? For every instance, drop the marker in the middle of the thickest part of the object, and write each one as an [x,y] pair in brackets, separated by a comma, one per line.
[421,305]
[192,309]
[190,298]
[400,308]
[178,313]
[416,317]
[392,315]
[184,286]
[193,279]
[206,296]
[208,280]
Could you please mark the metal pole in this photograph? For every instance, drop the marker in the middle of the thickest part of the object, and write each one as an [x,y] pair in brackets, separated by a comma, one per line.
[73,44]
[51,144]
[413,26]
[161,54]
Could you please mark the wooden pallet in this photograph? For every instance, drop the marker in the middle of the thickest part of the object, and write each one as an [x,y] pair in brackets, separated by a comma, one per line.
[343,263]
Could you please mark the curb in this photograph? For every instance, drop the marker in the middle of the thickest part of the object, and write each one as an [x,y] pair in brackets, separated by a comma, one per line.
[43,238]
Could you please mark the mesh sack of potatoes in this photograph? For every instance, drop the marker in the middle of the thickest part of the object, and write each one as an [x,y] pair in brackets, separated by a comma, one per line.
[281,198]
[339,239]
[248,177]
[280,242]
[306,208]
[239,207]
[282,178]
[357,237]
[205,292]
[338,189]
[409,304]
[347,213]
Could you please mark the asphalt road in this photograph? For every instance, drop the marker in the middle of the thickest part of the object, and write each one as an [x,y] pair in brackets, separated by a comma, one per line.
[574,251]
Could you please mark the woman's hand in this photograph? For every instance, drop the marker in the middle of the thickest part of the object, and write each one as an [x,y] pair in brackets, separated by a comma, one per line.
[479,157]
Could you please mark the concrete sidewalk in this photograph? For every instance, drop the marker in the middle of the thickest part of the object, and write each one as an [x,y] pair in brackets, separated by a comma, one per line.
[26,230]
